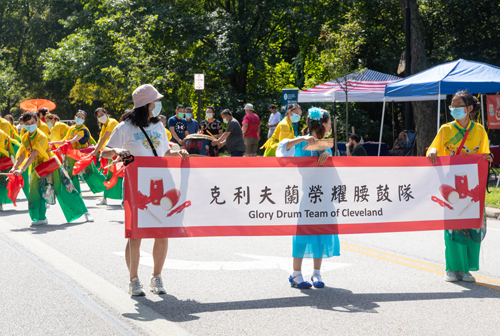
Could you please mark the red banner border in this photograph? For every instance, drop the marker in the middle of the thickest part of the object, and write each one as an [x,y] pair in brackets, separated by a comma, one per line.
[131,173]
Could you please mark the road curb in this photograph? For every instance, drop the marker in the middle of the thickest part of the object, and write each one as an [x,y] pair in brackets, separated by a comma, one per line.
[492,213]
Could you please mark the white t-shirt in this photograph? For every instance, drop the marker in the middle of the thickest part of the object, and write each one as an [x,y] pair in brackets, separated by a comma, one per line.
[274,119]
[130,137]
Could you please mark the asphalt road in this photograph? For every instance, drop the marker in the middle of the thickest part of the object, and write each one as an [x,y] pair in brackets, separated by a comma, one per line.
[71,279]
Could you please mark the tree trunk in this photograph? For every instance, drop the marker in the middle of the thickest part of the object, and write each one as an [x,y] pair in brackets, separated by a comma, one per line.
[424,113]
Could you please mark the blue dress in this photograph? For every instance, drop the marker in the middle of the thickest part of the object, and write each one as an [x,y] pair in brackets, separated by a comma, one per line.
[312,246]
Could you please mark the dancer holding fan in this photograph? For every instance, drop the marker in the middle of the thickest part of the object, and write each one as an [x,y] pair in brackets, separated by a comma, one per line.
[460,137]
[142,134]
[78,137]
[48,179]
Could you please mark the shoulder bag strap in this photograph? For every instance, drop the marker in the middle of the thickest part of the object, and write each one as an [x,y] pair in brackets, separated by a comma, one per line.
[463,142]
[149,141]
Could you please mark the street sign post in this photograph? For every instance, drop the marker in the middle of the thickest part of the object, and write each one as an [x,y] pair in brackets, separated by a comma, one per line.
[199,85]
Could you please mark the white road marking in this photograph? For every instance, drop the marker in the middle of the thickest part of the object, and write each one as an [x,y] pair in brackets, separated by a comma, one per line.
[150,321]
[262,263]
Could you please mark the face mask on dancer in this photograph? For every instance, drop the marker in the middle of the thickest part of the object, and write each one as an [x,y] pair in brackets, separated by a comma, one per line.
[30,128]
[295,118]
[102,119]
[458,112]
[79,121]
[50,125]
[156,111]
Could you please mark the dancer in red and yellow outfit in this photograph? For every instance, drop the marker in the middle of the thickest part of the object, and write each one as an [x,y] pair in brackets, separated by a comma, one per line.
[79,137]
[107,126]
[44,190]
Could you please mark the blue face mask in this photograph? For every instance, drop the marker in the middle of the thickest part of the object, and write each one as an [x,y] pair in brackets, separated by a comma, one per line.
[295,118]
[30,128]
[181,115]
[225,121]
[189,115]
[458,113]
[22,127]
[79,121]
[50,124]
[156,111]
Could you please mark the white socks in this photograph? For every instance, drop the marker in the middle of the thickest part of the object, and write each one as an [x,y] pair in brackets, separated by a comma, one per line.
[297,276]
[316,276]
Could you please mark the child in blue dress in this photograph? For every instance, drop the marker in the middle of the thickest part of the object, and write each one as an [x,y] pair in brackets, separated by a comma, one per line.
[312,246]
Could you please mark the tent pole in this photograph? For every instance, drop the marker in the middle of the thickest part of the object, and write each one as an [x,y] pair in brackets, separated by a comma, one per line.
[381,128]
[439,106]
[482,111]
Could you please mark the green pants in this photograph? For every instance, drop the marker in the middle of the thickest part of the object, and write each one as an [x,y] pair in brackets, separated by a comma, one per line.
[4,199]
[460,257]
[94,178]
[68,197]
[116,191]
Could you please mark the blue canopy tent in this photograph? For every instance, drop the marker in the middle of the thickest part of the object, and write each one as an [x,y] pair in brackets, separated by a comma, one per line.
[448,78]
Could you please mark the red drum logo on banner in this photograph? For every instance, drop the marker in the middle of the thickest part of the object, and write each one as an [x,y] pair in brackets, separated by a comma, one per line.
[197,197]
[493,103]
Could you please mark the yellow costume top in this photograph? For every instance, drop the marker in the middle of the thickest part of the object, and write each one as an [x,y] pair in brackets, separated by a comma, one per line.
[39,141]
[82,130]
[58,131]
[6,145]
[284,130]
[169,134]
[8,128]
[450,136]
[109,126]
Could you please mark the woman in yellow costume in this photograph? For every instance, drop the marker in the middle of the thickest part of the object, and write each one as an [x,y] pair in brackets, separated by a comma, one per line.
[284,130]
[9,148]
[79,137]
[9,129]
[462,246]
[58,130]
[107,126]
[44,190]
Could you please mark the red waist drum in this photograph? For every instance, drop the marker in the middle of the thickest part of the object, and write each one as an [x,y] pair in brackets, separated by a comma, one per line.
[87,150]
[200,144]
[47,167]
[6,162]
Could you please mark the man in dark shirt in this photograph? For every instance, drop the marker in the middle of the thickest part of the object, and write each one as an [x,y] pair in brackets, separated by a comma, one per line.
[354,148]
[178,125]
[211,124]
[232,137]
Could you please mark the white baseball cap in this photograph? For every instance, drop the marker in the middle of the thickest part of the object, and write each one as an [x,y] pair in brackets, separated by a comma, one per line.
[144,95]
[249,107]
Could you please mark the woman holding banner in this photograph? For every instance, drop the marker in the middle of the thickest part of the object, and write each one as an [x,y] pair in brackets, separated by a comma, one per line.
[78,136]
[460,137]
[284,130]
[48,179]
[142,134]
[312,246]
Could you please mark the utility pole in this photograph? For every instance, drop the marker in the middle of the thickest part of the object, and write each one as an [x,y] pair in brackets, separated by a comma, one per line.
[408,64]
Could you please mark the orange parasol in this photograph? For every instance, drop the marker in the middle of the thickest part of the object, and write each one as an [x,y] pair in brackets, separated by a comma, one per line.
[33,105]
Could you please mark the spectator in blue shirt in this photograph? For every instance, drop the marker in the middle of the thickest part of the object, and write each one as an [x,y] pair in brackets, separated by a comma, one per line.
[178,126]
[193,126]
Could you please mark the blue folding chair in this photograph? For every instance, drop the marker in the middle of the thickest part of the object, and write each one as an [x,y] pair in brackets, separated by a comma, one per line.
[411,142]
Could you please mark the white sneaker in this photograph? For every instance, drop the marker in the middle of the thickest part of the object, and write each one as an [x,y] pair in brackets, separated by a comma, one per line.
[88,217]
[156,285]
[467,277]
[135,288]
[450,276]
[102,201]
[40,222]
